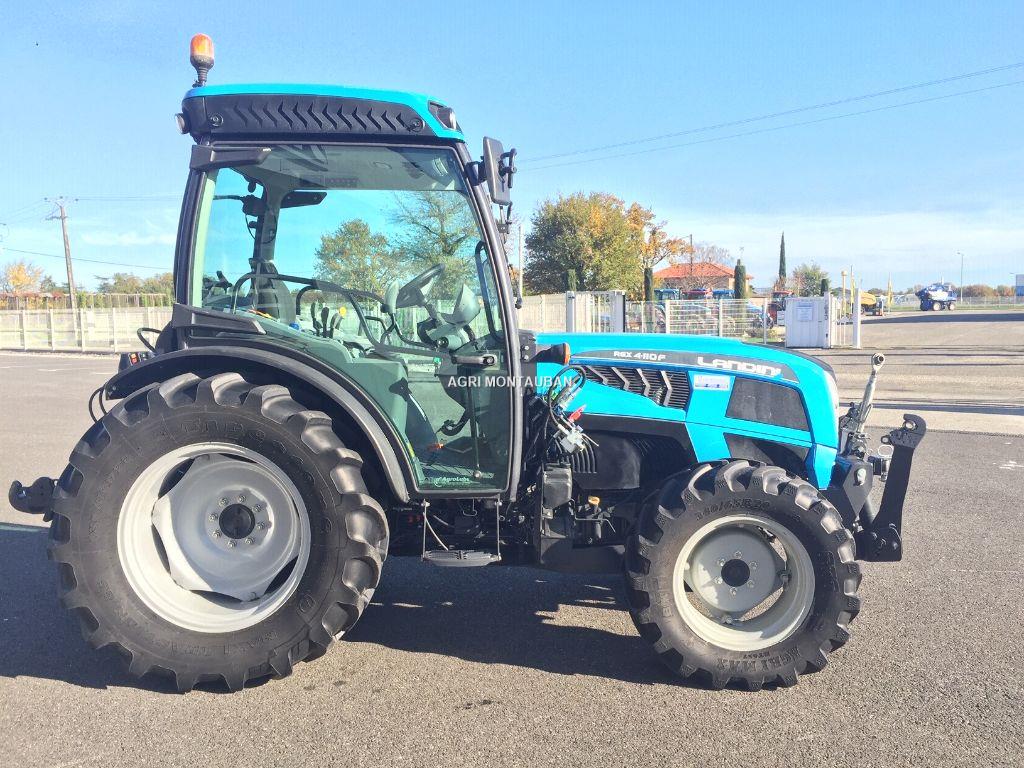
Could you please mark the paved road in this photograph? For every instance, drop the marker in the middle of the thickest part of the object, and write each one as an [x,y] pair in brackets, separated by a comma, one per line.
[512,667]
[960,370]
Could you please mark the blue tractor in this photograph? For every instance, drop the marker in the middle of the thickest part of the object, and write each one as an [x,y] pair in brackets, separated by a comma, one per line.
[343,379]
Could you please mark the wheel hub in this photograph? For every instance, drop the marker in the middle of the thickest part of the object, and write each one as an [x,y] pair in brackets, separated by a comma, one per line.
[237,521]
[735,573]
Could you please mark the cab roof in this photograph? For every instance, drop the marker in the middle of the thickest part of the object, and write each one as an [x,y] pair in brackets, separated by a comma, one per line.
[306,108]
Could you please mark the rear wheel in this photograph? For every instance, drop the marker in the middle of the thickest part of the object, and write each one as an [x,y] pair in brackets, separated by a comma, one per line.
[936,306]
[951,305]
[212,529]
[742,573]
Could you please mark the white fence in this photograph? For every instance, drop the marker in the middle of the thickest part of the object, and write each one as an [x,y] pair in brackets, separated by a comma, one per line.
[113,330]
[87,330]
[747,319]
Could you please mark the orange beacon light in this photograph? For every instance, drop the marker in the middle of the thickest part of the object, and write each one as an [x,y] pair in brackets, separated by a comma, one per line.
[201,56]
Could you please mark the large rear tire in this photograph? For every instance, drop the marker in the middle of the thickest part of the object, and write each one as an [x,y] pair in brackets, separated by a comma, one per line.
[742,572]
[211,529]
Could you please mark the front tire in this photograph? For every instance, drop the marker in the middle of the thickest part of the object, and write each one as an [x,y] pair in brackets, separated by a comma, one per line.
[211,529]
[742,572]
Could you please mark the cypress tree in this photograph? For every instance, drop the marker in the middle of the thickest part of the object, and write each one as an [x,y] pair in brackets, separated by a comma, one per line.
[782,261]
[739,280]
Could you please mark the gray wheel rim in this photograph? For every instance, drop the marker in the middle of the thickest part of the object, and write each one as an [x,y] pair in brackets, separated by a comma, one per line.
[744,595]
[224,547]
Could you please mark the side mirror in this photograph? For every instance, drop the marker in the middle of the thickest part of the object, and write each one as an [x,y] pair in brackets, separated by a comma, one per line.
[499,167]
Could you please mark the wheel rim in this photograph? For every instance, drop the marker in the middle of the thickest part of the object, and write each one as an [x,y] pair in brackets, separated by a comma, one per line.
[750,580]
[213,537]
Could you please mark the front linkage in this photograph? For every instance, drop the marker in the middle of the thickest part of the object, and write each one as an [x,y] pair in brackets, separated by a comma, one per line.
[877,532]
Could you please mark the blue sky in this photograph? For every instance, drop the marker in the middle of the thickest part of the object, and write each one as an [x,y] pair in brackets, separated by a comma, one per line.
[92,87]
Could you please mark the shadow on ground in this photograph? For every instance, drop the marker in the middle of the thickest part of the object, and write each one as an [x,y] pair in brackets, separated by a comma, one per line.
[966,316]
[494,615]
[502,615]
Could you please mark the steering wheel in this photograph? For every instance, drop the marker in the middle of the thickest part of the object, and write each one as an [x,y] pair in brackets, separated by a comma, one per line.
[412,294]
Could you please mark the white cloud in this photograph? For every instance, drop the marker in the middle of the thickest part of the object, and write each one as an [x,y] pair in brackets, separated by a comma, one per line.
[912,246]
[112,239]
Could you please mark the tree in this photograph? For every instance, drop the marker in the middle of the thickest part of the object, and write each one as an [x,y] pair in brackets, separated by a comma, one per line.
[807,279]
[120,282]
[586,233]
[824,286]
[739,280]
[437,228]
[648,284]
[162,283]
[782,262]
[571,281]
[652,242]
[20,277]
[353,255]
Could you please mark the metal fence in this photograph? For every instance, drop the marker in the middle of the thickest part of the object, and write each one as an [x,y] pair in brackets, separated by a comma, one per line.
[87,330]
[746,319]
[10,301]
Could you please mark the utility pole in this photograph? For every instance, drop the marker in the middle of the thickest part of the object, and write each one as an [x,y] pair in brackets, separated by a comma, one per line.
[961,272]
[519,258]
[62,214]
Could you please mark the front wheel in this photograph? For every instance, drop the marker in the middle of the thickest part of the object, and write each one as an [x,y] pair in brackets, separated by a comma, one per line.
[212,529]
[951,305]
[742,572]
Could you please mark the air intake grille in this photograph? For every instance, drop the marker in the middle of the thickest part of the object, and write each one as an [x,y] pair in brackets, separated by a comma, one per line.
[668,388]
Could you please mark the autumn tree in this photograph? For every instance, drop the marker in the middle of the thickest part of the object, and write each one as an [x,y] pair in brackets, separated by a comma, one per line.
[652,243]
[357,257]
[586,234]
[20,277]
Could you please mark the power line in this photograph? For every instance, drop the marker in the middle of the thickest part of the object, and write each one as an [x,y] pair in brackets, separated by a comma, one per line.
[777,127]
[90,261]
[783,113]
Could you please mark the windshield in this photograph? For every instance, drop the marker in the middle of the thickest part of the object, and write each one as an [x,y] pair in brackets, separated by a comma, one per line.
[373,260]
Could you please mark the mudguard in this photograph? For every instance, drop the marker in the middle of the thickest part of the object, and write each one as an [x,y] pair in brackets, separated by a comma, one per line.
[279,368]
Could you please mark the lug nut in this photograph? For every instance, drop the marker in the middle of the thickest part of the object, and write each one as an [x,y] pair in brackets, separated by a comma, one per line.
[231,543]
[261,526]
[721,562]
[753,565]
[750,583]
[718,580]
[223,502]
[732,591]
[213,515]
[257,508]
[250,540]
[216,534]
[241,498]
[737,553]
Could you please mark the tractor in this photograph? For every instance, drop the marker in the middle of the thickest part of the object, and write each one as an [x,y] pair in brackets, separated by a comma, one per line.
[343,379]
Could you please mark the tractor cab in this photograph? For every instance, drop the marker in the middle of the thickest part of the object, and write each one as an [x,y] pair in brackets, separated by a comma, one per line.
[354,228]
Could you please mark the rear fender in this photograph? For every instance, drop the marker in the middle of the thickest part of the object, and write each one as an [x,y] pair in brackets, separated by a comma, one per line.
[325,389]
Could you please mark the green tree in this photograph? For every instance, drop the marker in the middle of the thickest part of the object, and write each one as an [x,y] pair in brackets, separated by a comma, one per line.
[120,282]
[782,261]
[355,256]
[586,233]
[572,282]
[825,286]
[739,280]
[807,279]
[436,228]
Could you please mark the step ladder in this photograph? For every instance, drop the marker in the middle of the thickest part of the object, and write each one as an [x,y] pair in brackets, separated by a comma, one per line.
[446,557]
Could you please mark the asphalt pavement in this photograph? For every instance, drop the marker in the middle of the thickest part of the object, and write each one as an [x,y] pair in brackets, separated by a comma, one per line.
[515,666]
